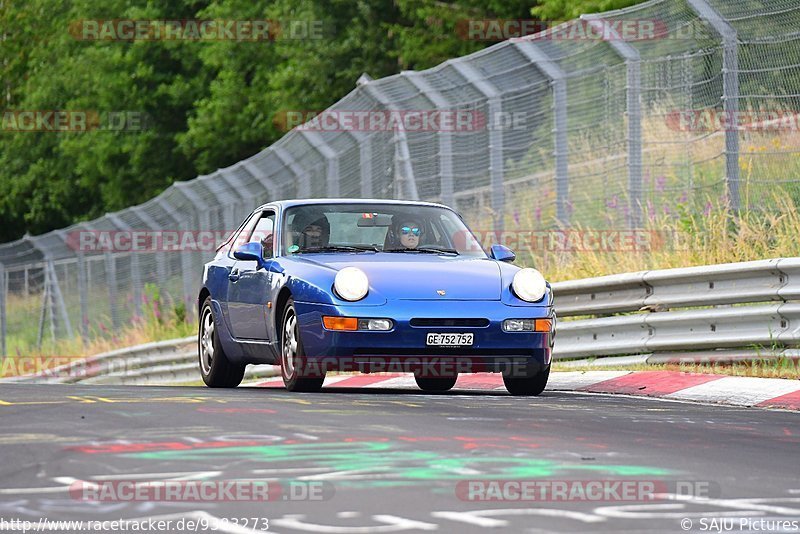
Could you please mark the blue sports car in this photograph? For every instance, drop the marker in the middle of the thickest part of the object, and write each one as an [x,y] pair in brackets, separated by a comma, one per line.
[327,285]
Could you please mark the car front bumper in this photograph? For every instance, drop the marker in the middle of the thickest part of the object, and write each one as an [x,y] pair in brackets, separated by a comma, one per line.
[404,347]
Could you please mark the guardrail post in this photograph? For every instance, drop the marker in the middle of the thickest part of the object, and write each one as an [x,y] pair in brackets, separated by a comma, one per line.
[496,163]
[730,93]
[558,79]
[634,112]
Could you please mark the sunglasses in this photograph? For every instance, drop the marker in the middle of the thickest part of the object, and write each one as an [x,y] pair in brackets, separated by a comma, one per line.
[405,230]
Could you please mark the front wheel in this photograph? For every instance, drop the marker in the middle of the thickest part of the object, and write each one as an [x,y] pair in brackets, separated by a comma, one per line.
[435,383]
[297,376]
[215,368]
[527,385]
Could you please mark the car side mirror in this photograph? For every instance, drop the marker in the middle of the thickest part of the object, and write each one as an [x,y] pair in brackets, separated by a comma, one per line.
[250,252]
[503,253]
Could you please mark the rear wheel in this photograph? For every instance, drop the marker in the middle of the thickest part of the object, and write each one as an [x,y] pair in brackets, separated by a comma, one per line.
[217,371]
[527,385]
[297,376]
[435,383]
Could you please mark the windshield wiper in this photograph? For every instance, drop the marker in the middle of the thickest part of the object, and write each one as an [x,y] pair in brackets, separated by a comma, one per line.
[342,248]
[428,250]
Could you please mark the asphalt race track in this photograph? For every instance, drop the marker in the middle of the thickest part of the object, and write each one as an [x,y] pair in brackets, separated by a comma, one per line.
[392,461]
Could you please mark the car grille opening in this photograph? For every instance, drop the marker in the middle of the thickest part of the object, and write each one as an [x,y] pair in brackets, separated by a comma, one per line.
[456,322]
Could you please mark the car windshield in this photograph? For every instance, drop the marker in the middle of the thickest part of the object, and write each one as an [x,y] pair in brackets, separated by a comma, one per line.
[377,228]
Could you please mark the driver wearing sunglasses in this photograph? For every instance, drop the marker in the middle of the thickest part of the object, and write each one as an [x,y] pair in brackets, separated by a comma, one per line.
[409,232]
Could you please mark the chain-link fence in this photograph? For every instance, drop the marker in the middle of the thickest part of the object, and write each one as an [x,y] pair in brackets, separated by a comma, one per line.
[671,106]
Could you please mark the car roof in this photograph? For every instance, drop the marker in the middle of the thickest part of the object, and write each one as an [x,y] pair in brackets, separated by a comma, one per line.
[314,201]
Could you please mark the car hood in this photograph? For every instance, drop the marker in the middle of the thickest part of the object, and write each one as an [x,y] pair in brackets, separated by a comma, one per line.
[408,276]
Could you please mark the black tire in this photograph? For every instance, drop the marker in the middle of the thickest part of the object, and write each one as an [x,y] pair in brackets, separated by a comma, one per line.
[435,383]
[527,385]
[296,373]
[215,368]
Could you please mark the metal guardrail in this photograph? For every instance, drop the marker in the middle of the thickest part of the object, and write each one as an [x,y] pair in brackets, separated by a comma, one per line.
[710,313]
[749,306]
[163,362]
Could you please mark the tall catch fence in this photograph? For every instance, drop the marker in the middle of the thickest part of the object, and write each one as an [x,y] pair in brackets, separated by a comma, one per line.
[605,122]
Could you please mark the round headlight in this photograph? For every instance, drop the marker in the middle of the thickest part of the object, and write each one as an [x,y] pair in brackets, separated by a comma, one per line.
[529,285]
[351,284]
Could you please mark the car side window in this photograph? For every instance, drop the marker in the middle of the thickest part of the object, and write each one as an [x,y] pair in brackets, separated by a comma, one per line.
[243,234]
[264,233]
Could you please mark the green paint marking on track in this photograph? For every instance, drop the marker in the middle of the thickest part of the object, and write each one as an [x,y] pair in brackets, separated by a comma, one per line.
[377,465]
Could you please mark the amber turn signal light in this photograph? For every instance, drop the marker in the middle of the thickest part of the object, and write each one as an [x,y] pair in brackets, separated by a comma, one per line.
[340,323]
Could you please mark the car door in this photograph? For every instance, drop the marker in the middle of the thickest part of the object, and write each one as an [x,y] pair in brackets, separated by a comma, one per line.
[249,284]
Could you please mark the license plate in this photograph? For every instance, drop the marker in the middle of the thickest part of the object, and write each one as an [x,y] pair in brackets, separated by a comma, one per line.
[450,340]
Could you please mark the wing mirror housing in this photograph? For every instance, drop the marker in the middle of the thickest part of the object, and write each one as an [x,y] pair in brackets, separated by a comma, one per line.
[502,253]
[250,252]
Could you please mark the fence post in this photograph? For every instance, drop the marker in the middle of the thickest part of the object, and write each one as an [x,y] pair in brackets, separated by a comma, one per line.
[331,158]
[186,260]
[496,163]
[3,292]
[445,137]
[83,297]
[190,288]
[246,199]
[161,271]
[303,181]
[558,78]
[136,275]
[225,195]
[402,153]
[111,282]
[53,296]
[365,166]
[730,93]
[62,308]
[266,182]
[634,112]
[234,184]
